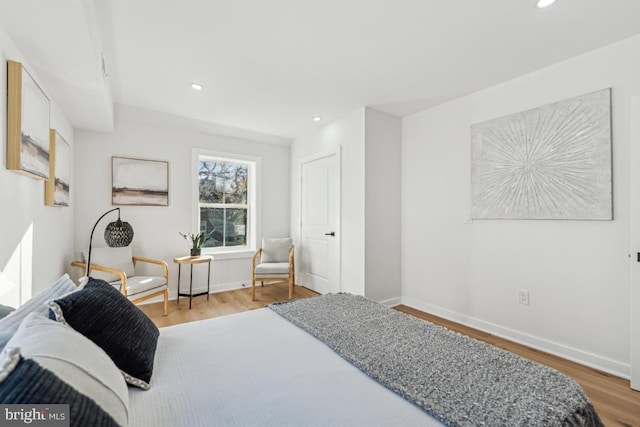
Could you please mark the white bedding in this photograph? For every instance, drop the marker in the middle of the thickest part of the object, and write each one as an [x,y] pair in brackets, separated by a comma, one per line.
[257,369]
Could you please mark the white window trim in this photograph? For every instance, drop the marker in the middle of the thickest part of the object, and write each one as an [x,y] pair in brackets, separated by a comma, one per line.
[254,214]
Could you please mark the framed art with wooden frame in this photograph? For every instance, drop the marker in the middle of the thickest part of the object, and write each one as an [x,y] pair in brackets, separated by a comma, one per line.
[140,182]
[56,189]
[28,145]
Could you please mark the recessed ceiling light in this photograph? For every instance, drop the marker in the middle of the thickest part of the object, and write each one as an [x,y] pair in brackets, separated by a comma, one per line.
[545,3]
[196,86]
[317,118]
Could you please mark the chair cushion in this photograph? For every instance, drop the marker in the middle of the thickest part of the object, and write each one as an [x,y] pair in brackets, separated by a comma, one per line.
[102,314]
[273,268]
[116,258]
[9,324]
[139,284]
[75,360]
[276,250]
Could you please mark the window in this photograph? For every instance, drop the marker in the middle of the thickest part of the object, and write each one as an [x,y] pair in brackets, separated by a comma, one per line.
[226,193]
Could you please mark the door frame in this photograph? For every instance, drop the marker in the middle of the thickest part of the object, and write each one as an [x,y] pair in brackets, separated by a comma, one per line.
[634,250]
[337,152]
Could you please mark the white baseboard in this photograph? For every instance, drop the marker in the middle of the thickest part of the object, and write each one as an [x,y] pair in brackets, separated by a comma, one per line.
[392,302]
[575,355]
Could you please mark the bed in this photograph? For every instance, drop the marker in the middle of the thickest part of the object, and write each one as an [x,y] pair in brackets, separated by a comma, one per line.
[331,360]
[258,369]
[346,360]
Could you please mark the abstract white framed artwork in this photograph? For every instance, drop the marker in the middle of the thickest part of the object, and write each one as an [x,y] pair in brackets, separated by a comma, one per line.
[27,124]
[550,162]
[56,190]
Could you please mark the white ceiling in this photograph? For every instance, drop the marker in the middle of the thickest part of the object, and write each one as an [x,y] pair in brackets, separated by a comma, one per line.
[270,66]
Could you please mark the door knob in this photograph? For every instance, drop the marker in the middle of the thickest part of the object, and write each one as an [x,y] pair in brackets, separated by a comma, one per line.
[333,233]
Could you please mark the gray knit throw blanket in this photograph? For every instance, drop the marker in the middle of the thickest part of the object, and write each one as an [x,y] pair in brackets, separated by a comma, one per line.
[456,379]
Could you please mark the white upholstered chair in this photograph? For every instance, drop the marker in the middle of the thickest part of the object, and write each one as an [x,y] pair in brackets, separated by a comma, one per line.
[117,267]
[273,262]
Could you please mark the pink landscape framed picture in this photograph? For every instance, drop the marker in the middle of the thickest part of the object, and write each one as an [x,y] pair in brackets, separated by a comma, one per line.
[139,182]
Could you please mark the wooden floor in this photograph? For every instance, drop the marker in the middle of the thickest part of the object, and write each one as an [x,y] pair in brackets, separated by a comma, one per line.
[615,402]
[222,303]
[612,397]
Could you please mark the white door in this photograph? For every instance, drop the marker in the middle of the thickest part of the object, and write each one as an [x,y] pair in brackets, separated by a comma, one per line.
[319,235]
[635,243]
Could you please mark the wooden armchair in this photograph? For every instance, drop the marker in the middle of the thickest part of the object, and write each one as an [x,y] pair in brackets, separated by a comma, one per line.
[274,261]
[117,267]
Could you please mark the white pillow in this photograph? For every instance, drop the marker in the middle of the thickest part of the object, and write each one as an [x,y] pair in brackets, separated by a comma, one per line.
[276,250]
[10,323]
[76,360]
[116,258]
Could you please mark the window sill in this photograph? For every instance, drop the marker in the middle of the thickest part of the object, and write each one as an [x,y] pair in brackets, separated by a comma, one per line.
[245,253]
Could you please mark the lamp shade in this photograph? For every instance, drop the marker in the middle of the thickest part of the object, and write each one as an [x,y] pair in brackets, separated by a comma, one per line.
[118,234]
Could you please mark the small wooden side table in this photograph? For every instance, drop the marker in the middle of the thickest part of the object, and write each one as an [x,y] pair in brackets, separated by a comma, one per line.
[191,260]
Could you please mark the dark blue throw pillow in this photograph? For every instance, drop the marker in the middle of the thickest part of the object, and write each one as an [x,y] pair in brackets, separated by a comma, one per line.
[105,316]
[30,383]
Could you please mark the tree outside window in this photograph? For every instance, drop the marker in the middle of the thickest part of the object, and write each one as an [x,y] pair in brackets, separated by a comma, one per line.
[223,201]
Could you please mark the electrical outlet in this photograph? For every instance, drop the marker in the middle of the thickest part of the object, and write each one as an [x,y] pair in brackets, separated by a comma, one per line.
[523,297]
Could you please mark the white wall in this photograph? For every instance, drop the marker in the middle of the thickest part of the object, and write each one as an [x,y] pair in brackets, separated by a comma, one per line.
[36,243]
[148,135]
[382,207]
[347,135]
[369,142]
[577,272]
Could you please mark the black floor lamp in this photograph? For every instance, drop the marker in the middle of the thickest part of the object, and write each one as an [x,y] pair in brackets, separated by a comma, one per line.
[117,234]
